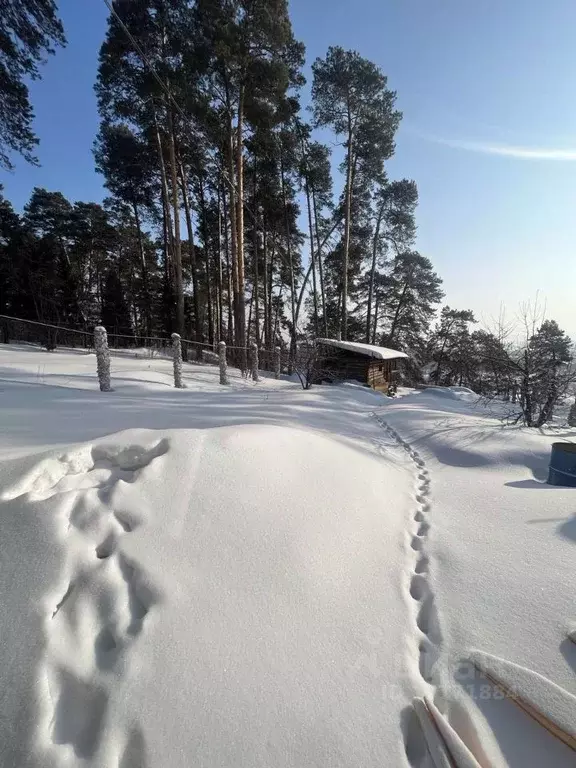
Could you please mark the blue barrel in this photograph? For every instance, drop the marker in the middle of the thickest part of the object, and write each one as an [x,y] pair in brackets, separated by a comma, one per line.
[562,469]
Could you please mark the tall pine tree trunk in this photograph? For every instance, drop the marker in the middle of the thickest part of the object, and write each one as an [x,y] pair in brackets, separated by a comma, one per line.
[233,223]
[177,240]
[271,292]
[302,289]
[276,326]
[267,343]
[399,307]
[312,257]
[375,325]
[255,291]
[250,307]
[167,295]
[220,332]
[345,255]
[145,286]
[229,291]
[192,253]
[290,267]
[241,319]
[207,259]
[166,232]
[320,268]
[373,272]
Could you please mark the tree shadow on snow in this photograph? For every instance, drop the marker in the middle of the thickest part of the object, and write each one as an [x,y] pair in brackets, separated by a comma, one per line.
[49,415]
[568,529]
[535,484]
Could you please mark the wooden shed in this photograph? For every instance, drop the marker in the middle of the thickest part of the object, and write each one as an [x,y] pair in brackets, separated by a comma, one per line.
[350,360]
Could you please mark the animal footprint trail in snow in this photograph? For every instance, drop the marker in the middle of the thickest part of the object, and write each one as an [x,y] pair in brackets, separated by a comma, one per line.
[103,607]
[427,624]
[426,615]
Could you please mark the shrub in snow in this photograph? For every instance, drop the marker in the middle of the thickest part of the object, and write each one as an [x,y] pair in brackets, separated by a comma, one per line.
[277,362]
[572,416]
[254,361]
[177,357]
[102,358]
[222,362]
[307,365]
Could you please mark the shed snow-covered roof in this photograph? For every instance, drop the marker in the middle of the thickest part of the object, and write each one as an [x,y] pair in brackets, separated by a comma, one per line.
[370,350]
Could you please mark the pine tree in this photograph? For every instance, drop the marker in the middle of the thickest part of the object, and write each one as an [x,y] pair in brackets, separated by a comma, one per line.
[247,59]
[491,373]
[549,356]
[124,160]
[29,29]
[394,227]
[350,95]
[127,91]
[317,182]
[52,278]
[10,279]
[115,312]
[451,345]
[411,292]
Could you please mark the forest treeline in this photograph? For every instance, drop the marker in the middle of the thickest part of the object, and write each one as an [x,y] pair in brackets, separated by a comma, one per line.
[222,220]
[227,218]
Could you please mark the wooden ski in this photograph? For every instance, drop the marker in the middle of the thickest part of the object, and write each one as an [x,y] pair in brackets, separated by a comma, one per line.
[532,692]
[444,744]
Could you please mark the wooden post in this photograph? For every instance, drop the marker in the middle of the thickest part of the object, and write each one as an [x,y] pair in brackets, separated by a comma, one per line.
[177,358]
[254,348]
[222,362]
[102,358]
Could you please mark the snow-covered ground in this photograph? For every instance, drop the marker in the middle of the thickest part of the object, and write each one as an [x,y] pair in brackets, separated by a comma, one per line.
[255,575]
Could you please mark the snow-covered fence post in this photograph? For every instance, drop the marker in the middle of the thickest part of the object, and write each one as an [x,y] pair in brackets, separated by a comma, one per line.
[277,362]
[254,361]
[102,358]
[222,362]
[177,358]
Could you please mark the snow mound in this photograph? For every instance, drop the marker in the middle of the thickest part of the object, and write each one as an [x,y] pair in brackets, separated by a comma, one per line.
[204,592]
[453,393]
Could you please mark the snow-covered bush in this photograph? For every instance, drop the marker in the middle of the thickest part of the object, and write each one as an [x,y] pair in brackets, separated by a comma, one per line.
[277,362]
[306,364]
[102,358]
[572,415]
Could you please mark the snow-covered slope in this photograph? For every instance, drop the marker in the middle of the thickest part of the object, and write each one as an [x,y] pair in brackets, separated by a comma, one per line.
[255,575]
[502,549]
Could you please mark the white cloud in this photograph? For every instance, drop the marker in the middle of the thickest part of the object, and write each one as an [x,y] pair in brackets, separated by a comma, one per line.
[506,150]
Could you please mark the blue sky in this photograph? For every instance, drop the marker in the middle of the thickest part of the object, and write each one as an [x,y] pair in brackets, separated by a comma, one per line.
[488,92]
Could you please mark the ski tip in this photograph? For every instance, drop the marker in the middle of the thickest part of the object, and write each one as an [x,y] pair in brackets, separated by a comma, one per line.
[445,746]
[552,707]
